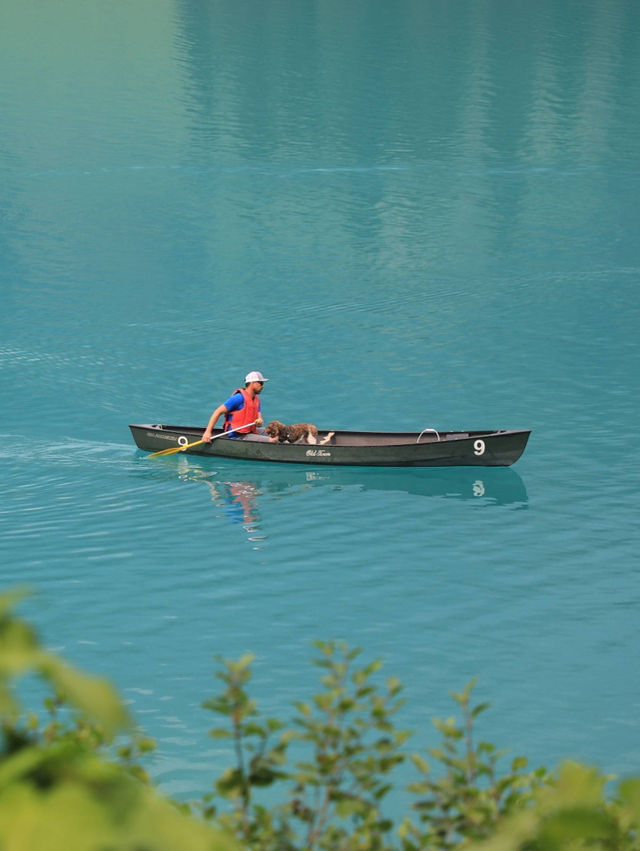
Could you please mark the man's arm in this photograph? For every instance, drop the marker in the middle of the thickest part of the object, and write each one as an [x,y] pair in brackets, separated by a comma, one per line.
[206,435]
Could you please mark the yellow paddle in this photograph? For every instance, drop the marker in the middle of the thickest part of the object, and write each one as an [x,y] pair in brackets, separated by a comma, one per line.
[175,449]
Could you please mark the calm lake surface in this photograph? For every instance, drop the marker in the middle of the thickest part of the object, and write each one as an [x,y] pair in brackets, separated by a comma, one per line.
[406,214]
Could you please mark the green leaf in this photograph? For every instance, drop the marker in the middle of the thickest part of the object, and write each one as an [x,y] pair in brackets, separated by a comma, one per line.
[19,648]
[420,763]
[230,783]
[519,763]
[629,791]
[350,807]
[10,599]
[394,685]
[253,729]
[92,696]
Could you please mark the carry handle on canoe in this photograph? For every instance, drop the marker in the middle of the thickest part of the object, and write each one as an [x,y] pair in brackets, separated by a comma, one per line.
[428,429]
[175,449]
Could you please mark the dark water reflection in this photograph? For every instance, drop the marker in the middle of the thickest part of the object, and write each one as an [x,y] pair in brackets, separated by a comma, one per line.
[241,490]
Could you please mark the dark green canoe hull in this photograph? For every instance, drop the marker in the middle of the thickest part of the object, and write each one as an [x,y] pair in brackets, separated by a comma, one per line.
[351,448]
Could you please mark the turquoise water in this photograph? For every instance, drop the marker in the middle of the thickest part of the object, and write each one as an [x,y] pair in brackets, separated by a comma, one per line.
[406,215]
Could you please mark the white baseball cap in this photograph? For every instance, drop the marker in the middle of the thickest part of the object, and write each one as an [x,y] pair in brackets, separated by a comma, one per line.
[254,376]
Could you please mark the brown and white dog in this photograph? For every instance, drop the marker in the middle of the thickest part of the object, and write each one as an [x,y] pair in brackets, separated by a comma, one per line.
[299,433]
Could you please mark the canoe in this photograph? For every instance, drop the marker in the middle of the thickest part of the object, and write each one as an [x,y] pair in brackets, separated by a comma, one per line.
[428,448]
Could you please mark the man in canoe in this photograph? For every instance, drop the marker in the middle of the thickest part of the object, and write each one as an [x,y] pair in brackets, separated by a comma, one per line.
[242,411]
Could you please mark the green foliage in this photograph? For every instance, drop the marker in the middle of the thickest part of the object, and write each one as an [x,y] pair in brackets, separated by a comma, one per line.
[573,813]
[258,760]
[470,797]
[84,730]
[346,746]
[67,783]
[21,653]
[333,797]
[354,748]
[61,796]
[57,792]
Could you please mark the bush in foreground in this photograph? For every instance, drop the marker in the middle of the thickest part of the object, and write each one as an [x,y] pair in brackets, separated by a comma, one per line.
[332,765]
[58,792]
[65,785]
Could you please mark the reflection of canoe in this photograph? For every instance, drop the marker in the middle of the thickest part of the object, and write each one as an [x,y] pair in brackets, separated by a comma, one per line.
[353,448]
[488,486]
[499,487]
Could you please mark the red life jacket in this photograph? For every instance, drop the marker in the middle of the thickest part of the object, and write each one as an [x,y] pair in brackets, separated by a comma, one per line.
[247,414]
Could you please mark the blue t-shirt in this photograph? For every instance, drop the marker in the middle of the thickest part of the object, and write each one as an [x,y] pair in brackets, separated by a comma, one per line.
[236,403]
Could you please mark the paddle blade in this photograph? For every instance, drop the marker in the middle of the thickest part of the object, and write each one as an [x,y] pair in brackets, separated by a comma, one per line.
[175,449]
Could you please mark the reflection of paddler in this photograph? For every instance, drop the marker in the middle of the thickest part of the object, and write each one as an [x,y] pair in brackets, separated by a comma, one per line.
[239,498]
[244,494]
[241,411]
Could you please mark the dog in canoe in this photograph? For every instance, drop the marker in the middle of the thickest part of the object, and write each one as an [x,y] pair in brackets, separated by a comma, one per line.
[298,433]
